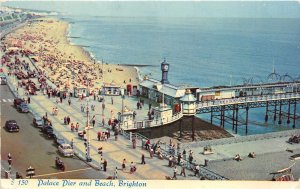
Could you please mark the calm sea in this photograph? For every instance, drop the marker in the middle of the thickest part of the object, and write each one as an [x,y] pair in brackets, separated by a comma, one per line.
[201,51]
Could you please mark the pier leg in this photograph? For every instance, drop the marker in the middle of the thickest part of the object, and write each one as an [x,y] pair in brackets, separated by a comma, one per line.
[211,116]
[223,121]
[280,113]
[275,111]
[236,120]
[193,129]
[180,129]
[267,109]
[233,117]
[295,107]
[289,111]
[221,118]
[247,109]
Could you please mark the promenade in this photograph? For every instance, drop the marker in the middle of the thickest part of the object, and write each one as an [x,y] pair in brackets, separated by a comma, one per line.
[113,151]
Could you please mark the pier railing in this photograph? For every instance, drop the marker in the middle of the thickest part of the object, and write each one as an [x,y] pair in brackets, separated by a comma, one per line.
[150,123]
[248,99]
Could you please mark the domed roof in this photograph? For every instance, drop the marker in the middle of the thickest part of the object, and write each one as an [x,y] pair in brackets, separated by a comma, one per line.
[188,97]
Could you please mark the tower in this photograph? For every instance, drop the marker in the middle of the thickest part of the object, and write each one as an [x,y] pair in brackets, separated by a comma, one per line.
[164,69]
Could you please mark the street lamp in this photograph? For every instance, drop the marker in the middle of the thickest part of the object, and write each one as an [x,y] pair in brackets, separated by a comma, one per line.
[88,156]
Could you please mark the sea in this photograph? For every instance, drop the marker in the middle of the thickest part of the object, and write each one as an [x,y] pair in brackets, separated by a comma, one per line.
[203,49]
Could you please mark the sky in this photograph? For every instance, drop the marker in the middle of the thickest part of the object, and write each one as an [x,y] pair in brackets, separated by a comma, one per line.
[223,8]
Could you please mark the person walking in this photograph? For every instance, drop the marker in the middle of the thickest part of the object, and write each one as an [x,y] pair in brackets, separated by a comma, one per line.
[179,158]
[9,160]
[104,165]
[116,173]
[68,120]
[93,120]
[103,122]
[124,164]
[65,120]
[151,152]
[175,173]
[143,159]
[77,127]
[184,154]
[112,100]
[72,128]
[133,142]
[99,135]
[28,100]
[197,169]
[69,101]
[182,171]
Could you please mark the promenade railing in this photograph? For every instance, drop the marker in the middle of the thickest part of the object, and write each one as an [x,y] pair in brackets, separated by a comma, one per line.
[150,123]
[248,99]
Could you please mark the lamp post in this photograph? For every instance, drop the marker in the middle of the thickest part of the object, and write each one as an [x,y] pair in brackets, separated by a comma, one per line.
[88,156]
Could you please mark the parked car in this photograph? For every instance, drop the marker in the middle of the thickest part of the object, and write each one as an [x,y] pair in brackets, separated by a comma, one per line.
[12,126]
[66,150]
[48,130]
[3,80]
[38,122]
[59,141]
[18,101]
[23,108]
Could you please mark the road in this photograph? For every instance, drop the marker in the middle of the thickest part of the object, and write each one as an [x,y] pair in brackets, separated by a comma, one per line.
[30,139]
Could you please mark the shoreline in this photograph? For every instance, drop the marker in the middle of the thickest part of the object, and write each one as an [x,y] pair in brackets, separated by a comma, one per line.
[65,62]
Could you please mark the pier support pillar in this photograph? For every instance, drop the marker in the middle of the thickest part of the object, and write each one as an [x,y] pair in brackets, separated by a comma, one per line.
[223,120]
[294,121]
[247,109]
[280,113]
[236,119]
[289,112]
[275,111]
[193,129]
[233,118]
[211,116]
[221,117]
[267,109]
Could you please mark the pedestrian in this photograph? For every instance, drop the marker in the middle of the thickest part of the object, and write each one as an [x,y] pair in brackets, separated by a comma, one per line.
[175,173]
[184,154]
[99,135]
[143,159]
[93,120]
[132,168]
[182,171]
[133,142]
[94,96]
[69,101]
[103,122]
[104,165]
[68,120]
[76,127]
[170,161]
[151,152]
[124,164]
[197,169]
[179,158]
[65,120]
[112,100]
[9,159]
[116,173]
[72,128]
[28,100]
[61,99]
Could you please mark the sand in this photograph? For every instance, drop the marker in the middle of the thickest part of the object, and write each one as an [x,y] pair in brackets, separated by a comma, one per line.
[65,64]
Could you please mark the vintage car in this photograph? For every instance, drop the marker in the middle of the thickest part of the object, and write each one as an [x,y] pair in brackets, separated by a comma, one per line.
[12,126]
[38,122]
[66,150]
